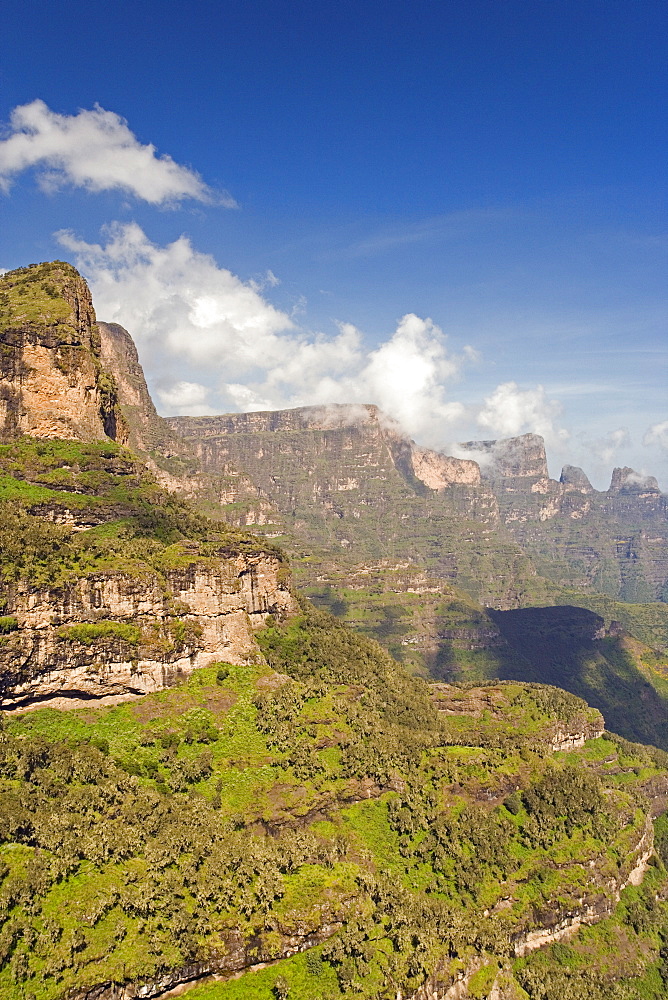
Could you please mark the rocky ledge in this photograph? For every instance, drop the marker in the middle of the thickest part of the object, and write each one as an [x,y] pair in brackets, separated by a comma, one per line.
[117,635]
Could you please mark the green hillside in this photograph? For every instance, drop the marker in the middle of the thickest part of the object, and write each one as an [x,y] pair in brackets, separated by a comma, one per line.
[322,798]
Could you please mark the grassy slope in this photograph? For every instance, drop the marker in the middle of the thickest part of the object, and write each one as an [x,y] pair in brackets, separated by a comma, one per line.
[133,524]
[378,819]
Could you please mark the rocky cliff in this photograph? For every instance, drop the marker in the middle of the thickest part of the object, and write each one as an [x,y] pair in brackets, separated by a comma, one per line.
[110,635]
[172,459]
[108,586]
[512,458]
[614,542]
[52,382]
[387,447]
[353,490]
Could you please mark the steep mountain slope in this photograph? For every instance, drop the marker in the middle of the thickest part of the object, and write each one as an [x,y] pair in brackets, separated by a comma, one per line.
[344,475]
[409,560]
[396,553]
[52,383]
[322,803]
[110,586]
[174,461]
[613,542]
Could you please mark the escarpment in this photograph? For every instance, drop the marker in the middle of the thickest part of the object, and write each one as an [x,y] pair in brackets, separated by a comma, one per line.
[113,634]
[366,503]
[224,493]
[52,382]
[613,542]
[109,587]
[284,798]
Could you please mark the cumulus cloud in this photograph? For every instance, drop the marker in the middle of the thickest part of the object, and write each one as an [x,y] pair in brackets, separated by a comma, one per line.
[606,448]
[212,342]
[657,435]
[510,411]
[186,398]
[97,151]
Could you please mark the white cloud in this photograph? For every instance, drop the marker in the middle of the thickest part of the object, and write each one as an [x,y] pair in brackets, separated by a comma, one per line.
[97,151]
[185,398]
[407,376]
[657,435]
[510,411]
[200,328]
[176,300]
[606,448]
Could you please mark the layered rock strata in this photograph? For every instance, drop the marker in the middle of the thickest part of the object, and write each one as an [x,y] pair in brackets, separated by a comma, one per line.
[116,635]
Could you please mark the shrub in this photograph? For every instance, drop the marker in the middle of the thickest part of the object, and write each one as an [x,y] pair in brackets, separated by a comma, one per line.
[90,632]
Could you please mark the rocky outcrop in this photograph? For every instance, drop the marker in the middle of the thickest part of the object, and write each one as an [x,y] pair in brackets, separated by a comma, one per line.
[52,381]
[439,471]
[566,732]
[240,955]
[173,460]
[116,635]
[147,431]
[573,478]
[614,542]
[511,458]
[629,480]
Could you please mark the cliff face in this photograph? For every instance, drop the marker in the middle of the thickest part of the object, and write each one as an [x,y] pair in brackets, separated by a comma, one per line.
[52,383]
[513,458]
[146,430]
[614,542]
[573,478]
[387,449]
[89,610]
[630,481]
[366,503]
[173,460]
[114,635]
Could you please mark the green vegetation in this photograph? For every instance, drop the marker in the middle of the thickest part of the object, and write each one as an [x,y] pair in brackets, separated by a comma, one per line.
[563,646]
[327,790]
[647,622]
[89,632]
[321,798]
[133,525]
[34,295]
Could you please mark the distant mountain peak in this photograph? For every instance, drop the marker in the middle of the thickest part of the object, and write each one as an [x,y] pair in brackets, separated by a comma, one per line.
[573,478]
[628,480]
[517,457]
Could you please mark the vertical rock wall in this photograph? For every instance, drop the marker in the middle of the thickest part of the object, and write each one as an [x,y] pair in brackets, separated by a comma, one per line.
[52,382]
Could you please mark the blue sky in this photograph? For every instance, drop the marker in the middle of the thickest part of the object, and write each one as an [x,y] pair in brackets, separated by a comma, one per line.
[455,210]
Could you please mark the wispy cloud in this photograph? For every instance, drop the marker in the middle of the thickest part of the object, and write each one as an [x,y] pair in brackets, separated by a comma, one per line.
[580,388]
[511,410]
[657,436]
[451,226]
[97,151]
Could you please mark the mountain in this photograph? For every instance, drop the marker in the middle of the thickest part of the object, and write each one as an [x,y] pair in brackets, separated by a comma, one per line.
[207,784]
[407,559]
[419,563]
[613,542]
[52,383]
[111,586]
